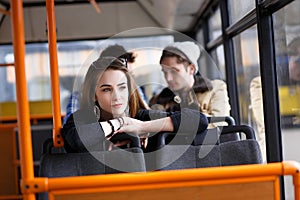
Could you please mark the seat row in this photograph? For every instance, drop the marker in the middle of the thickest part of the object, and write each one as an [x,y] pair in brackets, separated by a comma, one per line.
[210,150]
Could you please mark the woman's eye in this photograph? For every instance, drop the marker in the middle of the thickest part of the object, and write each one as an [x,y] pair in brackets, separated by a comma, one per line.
[106,90]
[123,87]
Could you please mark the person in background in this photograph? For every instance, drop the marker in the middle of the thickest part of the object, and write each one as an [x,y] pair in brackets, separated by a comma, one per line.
[111,104]
[179,62]
[293,50]
[294,60]
[117,51]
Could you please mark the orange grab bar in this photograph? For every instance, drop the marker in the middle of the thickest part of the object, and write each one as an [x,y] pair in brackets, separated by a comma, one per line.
[171,178]
[7,64]
[51,23]
[25,142]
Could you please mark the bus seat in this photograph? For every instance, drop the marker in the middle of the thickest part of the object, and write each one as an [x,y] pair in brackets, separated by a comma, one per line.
[207,154]
[158,140]
[53,164]
[230,121]
[210,136]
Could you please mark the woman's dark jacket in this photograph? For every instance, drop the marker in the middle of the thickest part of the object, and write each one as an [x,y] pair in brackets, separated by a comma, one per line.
[82,132]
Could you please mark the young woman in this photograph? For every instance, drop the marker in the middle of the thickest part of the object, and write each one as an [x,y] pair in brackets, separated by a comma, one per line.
[111,104]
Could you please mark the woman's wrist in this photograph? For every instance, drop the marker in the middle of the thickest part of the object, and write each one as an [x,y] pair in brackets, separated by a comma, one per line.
[145,127]
[106,128]
[109,127]
[116,124]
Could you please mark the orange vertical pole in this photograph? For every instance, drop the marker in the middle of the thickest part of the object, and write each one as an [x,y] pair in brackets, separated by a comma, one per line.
[296,177]
[23,114]
[51,23]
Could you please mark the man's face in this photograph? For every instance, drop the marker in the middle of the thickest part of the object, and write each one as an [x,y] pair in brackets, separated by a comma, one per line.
[177,75]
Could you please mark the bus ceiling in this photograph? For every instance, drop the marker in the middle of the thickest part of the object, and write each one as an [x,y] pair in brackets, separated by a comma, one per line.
[83,19]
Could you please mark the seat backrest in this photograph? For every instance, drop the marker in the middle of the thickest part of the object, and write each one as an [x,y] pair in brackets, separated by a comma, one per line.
[90,163]
[228,119]
[208,155]
[211,136]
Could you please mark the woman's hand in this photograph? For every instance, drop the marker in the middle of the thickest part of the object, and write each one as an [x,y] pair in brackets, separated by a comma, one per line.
[132,125]
[142,128]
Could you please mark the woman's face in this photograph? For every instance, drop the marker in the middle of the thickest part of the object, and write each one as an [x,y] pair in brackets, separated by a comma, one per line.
[112,92]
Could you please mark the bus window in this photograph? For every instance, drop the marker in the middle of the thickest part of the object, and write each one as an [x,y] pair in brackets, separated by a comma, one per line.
[247,68]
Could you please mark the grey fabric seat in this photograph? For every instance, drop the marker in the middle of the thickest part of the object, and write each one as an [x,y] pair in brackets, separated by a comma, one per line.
[79,164]
[209,155]
[230,121]
[55,162]
[211,136]
[90,163]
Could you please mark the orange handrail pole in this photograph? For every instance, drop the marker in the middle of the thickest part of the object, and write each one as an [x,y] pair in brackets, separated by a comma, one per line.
[51,23]
[23,113]
[5,12]
[297,185]
[167,177]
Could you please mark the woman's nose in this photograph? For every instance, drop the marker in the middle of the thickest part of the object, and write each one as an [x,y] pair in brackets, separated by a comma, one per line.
[115,95]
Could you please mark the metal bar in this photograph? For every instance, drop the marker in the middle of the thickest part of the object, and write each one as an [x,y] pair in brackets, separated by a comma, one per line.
[51,23]
[296,181]
[247,172]
[23,113]
[7,64]
[5,12]
[231,74]
[269,86]
[241,174]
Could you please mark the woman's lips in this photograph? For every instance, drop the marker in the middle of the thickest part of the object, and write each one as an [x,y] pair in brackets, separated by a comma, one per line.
[117,105]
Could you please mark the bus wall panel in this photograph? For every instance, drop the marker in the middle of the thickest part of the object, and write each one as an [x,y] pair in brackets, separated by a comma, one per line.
[8,173]
[245,191]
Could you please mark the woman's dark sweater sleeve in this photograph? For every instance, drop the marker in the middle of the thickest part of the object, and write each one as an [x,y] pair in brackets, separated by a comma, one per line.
[186,120]
[82,133]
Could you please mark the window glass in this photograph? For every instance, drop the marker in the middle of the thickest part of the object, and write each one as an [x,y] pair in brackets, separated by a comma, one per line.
[287,47]
[214,23]
[239,8]
[209,65]
[248,82]
[200,37]
[218,57]
[72,56]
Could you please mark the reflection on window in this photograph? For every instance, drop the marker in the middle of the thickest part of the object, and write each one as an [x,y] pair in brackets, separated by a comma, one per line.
[247,67]
[287,47]
[215,25]
[249,83]
[238,9]
[199,37]
[218,57]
